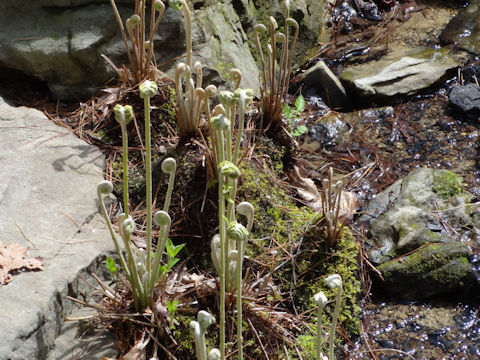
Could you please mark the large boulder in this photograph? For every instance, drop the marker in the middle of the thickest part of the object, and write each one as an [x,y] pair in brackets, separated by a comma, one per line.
[60,41]
[419,229]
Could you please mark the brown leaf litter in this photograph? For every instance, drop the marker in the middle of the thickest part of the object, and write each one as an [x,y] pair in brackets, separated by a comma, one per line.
[13,257]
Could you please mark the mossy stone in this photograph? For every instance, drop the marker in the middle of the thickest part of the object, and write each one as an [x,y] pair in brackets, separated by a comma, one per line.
[435,269]
[447,184]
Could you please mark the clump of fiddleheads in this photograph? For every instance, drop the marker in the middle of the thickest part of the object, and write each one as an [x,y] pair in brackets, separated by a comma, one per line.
[332,194]
[143,270]
[141,53]
[228,247]
[190,94]
[275,76]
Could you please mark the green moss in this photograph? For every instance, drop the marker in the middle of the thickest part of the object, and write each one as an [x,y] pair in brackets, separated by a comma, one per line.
[307,346]
[425,261]
[276,216]
[167,109]
[343,261]
[223,69]
[447,184]
[104,136]
[434,236]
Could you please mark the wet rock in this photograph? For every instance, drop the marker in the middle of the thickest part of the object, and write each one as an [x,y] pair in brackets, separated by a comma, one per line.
[430,271]
[401,230]
[344,13]
[398,74]
[466,99]
[464,29]
[322,80]
[409,239]
[328,131]
[368,10]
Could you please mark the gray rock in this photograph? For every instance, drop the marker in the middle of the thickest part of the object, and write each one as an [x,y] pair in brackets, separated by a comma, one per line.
[60,41]
[466,99]
[62,44]
[433,270]
[58,45]
[464,29]
[406,221]
[324,81]
[401,217]
[401,230]
[310,14]
[48,190]
[222,45]
[398,74]
[327,131]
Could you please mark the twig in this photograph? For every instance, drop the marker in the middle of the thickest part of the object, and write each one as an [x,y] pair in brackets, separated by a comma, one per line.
[77,224]
[169,354]
[27,237]
[258,338]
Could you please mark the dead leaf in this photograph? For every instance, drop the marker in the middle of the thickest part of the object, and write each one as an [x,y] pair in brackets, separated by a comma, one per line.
[13,257]
[308,191]
[138,351]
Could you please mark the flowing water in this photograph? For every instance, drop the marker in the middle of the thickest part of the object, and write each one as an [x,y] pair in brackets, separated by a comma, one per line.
[374,147]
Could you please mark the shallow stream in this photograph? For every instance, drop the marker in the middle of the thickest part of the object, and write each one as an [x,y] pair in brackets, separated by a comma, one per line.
[375,146]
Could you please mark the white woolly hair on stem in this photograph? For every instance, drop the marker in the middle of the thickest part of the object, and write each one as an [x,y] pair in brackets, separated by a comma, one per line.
[162,219]
[169,166]
[320,300]
[148,89]
[227,171]
[105,188]
[334,282]
[238,233]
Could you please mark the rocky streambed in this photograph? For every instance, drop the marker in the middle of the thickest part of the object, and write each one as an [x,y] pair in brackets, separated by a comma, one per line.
[414,107]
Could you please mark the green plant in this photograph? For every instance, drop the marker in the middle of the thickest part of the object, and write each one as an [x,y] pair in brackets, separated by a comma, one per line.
[172,309]
[320,300]
[334,282]
[142,269]
[140,56]
[190,95]
[198,329]
[274,82]
[110,264]
[292,116]
[331,197]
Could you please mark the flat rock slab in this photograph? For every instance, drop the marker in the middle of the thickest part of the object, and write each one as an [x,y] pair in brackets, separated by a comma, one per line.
[47,203]
[405,72]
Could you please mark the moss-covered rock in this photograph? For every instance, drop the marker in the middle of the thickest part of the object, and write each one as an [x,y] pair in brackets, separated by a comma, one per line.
[413,220]
[435,269]
[447,184]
